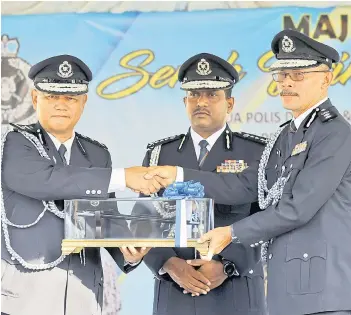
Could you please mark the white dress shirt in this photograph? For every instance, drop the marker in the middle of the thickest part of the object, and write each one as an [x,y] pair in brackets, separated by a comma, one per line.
[68,144]
[118,180]
[211,140]
[196,140]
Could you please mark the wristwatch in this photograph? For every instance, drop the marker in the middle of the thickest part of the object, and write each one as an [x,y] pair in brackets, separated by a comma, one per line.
[229,268]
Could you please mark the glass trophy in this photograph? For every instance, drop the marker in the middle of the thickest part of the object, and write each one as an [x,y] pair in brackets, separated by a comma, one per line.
[138,222]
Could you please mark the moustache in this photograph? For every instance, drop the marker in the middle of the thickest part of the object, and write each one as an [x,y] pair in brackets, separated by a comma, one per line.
[201,111]
[288,93]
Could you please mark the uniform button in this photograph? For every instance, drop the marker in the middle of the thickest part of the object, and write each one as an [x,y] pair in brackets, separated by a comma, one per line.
[87,192]
[291,165]
[93,191]
[305,255]
[251,272]
[256,244]
[276,166]
[98,192]
[270,256]
[252,245]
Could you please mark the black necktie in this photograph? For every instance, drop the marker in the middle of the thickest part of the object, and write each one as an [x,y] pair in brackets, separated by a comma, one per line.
[292,127]
[292,131]
[203,152]
[62,150]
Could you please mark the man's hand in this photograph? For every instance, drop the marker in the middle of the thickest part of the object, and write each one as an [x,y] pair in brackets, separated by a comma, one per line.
[212,270]
[134,254]
[165,175]
[219,238]
[186,276]
[135,180]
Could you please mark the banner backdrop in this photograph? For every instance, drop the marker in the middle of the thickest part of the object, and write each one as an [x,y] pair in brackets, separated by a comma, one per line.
[135,98]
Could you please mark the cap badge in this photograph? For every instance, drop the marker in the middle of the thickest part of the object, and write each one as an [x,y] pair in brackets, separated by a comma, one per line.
[288,45]
[203,67]
[65,70]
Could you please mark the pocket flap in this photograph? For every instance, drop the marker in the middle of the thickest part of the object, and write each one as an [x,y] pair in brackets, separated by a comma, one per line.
[306,251]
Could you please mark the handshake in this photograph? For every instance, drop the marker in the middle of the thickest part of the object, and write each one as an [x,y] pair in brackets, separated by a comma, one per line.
[149,180]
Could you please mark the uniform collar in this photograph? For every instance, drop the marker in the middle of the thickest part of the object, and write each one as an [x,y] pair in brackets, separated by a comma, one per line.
[211,139]
[68,143]
[298,121]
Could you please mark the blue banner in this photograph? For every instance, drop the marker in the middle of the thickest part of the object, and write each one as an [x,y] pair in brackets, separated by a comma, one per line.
[135,98]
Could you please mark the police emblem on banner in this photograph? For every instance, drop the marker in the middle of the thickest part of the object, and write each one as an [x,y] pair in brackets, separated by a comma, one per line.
[16,102]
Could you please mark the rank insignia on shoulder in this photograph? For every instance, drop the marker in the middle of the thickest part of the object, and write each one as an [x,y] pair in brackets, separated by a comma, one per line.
[252,137]
[326,114]
[151,145]
[80,136]
[300,147]
[232,166]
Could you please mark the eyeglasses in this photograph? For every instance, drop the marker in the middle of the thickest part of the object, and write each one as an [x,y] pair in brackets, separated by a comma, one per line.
[295,76]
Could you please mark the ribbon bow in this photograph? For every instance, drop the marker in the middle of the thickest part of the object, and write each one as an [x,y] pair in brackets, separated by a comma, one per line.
[184,190]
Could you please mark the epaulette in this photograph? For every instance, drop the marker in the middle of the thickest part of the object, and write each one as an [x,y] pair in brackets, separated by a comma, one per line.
[91,141]
[251,137]
[326,114]
[151,145]
[32,129]
[28,128]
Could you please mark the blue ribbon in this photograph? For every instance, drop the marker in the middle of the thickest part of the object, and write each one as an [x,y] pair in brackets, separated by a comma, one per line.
[184,190]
